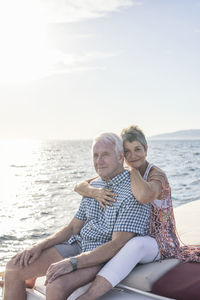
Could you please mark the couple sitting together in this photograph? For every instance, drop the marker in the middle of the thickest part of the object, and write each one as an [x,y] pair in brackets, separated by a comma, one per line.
[125,218]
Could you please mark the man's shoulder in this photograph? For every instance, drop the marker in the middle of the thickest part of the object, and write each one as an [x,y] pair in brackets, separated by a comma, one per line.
[124,177]
[98,182]
[124,185]
[121,179]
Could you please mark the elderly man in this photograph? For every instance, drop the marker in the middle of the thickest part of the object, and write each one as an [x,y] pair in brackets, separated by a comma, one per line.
[96,233]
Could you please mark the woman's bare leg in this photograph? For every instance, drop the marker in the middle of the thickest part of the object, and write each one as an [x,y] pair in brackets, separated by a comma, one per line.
[15,277]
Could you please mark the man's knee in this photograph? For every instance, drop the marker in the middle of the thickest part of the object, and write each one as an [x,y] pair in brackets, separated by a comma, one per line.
[56,288]
[12,269]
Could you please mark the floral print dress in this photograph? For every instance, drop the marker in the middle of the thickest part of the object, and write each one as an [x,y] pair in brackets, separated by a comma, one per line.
[162,221]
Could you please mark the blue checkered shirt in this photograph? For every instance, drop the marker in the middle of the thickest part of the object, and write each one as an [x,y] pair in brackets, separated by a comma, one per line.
[126,214]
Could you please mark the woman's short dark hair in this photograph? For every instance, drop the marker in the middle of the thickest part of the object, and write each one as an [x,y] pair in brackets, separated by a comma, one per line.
[133,133]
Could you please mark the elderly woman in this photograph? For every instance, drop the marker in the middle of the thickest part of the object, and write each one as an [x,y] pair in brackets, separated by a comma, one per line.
[149,185]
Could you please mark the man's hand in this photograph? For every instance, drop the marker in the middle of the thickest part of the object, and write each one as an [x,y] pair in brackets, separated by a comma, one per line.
[58,269]
[27,256]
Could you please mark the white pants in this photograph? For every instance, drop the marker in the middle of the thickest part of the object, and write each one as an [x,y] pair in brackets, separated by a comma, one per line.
[140,249]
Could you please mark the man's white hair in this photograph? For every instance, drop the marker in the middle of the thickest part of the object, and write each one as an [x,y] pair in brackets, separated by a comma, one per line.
[111,138]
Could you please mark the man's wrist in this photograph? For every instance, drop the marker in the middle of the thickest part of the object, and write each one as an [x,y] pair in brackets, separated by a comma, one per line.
[74,263]
[43,244]
[40,246]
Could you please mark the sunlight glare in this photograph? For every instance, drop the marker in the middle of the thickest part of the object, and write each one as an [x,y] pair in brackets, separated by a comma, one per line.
[23,42]
[15,158]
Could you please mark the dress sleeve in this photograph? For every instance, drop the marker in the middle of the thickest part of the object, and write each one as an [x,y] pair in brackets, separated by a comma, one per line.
[156,174]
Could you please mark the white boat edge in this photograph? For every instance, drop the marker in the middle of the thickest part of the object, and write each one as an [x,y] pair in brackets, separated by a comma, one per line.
[120,292]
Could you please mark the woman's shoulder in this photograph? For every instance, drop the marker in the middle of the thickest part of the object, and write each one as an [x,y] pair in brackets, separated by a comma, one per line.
[158,175]
[156,171]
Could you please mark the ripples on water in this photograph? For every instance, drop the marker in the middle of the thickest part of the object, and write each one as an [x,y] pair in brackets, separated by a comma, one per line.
[37,181]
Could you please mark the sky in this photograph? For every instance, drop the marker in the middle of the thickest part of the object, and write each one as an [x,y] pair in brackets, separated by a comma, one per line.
[70,69]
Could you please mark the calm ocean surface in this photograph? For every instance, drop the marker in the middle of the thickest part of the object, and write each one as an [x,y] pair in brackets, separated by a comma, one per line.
[37,181]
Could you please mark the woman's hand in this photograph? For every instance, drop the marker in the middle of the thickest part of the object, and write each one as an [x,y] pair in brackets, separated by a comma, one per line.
[104,197]
[27,256]
[58,269]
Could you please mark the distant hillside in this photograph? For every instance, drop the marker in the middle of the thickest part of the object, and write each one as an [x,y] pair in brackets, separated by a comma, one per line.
[191,134]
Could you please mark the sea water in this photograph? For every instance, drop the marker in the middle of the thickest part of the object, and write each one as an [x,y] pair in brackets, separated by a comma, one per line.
[38,179]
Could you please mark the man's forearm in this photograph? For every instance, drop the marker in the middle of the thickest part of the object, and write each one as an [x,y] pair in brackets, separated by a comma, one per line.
[64,234]
[102,253]
[57,238]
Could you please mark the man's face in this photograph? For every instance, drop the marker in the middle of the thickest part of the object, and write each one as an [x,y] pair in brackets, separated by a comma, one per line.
[107,162]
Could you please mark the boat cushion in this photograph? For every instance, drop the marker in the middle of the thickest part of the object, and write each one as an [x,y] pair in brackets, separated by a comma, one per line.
[39,286]
[180,283]
[144,276]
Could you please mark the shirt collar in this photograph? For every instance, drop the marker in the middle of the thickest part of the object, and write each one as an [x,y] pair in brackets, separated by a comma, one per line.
[117,179]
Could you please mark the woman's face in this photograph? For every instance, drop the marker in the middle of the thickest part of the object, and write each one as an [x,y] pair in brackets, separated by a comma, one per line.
[135,154]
